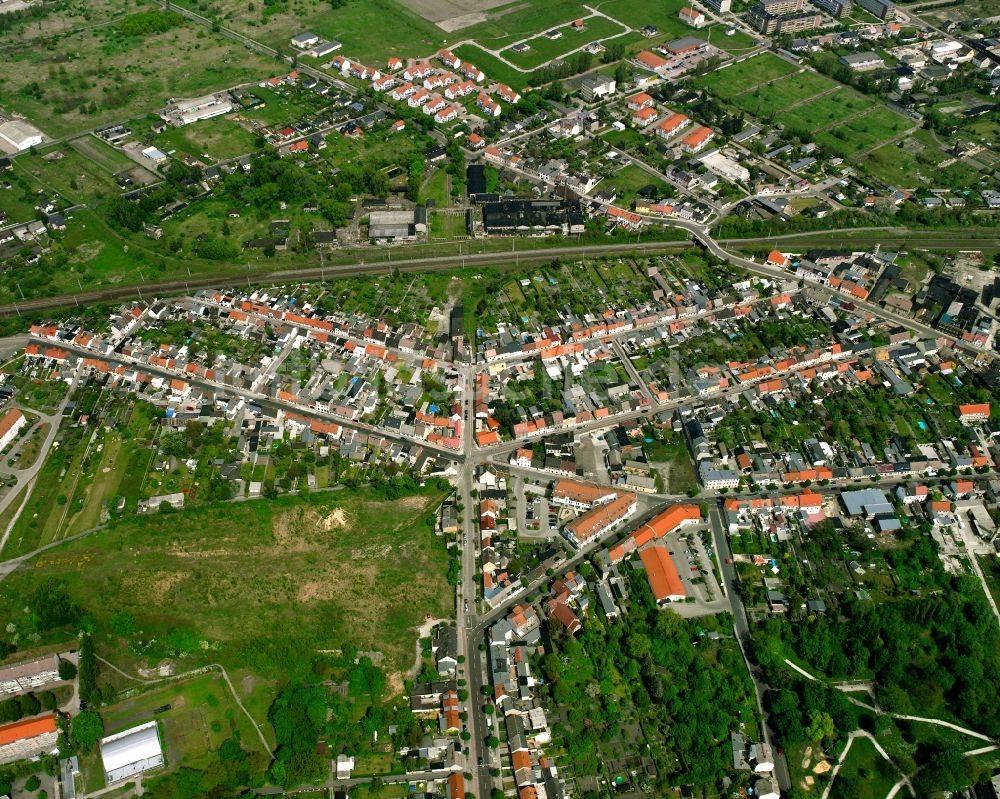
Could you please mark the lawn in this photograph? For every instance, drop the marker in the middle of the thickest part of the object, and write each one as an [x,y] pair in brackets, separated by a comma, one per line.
[516,21]
[218,139]
[103,154]
[865,774]
[113,77]
[436,188]
[544,49]
[252,584]
[736,79]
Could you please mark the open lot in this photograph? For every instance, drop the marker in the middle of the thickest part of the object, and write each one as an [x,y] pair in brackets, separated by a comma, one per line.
[863,132]
[218,139]
[114,76]
[766,101]
[259,582]
[739,78]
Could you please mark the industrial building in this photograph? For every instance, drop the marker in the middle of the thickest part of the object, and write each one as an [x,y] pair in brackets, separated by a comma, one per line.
[397,225]
[131,752]
[20,135]
[184,112]
[525,217]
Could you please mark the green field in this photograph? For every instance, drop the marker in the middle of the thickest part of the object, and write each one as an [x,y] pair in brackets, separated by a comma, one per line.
[739,78]
[914,162]
[257,584]
[867,130]
[824,112]
[544,49]
[767,100]
[371,31]
[219,139]
[70,174]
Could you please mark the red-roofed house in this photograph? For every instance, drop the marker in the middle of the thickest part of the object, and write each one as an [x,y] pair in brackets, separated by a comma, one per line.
[639,101]
[969,414]
[644,117]
[691,17]
[671,125]
[698,139]
[777,258]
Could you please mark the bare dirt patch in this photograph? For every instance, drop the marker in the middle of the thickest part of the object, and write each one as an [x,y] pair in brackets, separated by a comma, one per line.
[296,528]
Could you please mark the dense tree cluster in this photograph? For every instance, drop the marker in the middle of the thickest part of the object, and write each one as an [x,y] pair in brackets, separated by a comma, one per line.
[145,23]
[939,655]
[297,716]
[687,691]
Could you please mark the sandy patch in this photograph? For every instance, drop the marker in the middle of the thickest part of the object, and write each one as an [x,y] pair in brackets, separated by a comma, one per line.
[822,767]
[294,528]
[394,684]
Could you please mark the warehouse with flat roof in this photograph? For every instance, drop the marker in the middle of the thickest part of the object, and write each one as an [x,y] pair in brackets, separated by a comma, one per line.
[131,752]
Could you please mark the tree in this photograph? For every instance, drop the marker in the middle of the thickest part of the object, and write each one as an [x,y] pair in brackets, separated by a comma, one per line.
[67,669]
[86,730]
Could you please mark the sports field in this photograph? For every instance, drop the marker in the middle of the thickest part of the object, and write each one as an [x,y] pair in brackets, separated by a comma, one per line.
[252,584]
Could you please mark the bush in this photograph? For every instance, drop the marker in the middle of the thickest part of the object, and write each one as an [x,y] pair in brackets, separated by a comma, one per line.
[33,783]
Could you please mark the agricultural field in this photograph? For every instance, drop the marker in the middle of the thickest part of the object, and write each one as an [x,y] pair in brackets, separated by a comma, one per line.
[116,75]
[246,584]
[732,81]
